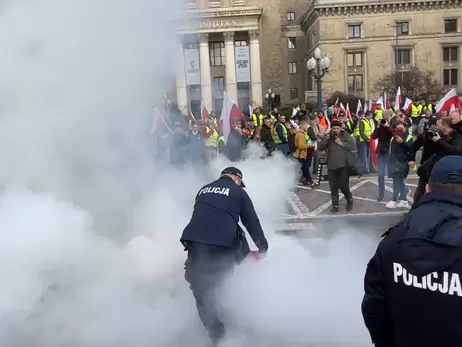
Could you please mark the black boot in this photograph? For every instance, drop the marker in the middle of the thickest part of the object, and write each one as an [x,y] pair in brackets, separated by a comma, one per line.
[349,205]
[334,209]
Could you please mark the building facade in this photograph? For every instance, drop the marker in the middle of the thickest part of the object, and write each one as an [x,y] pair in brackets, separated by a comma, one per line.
[242,46]
[367,39]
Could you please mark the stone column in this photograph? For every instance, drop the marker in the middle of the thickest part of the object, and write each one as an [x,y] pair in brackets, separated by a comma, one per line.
[255,69]
[181,89]
[206,79]
[231,85]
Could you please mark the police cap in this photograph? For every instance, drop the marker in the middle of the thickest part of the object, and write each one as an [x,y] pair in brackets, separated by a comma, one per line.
[234,171]
[447,170]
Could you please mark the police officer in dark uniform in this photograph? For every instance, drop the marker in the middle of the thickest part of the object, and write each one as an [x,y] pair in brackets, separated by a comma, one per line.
[413,290]
[215,242]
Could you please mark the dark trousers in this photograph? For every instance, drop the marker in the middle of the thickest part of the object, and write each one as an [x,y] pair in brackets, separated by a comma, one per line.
[205,269]
[339,179]
[419,191]
[305,168]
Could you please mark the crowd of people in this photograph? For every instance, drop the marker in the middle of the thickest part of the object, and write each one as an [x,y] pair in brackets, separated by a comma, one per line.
[330,138]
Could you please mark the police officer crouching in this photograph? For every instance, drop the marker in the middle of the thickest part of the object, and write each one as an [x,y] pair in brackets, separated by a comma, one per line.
[215,242]
[413,290]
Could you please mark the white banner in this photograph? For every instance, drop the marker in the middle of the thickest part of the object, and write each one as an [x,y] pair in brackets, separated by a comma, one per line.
[242,63]
[192,66]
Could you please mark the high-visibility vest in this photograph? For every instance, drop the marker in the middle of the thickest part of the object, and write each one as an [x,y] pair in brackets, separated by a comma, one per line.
[276,138]
[416,110]
[257,120]
[367,129]
[378,114]
[212,140]
[323,123]
[307,139]
[429,107]
[349,125]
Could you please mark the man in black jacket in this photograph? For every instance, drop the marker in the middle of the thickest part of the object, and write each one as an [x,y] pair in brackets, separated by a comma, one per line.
[413,290]
[437,142]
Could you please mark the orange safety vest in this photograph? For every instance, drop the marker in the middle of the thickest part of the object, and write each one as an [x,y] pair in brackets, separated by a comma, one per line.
[323,123]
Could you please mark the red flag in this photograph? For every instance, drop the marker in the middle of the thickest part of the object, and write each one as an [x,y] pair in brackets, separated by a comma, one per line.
[359,107]
[204,113]
[373,148]
[191,117]
[347,112]
[449,99]
[407,105]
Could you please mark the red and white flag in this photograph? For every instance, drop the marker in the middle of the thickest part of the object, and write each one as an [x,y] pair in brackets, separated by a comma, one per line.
[407,105]
[204,113]
[229,112]
[336,102]
[359,107]
[158,122]
[251,108]
[295,111]
[342,107]
[451,98]
[398,99]
[191,117]
[347,112]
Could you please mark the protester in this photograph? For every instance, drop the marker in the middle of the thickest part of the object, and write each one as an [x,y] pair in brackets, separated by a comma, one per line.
[304,145]
[179,146]
[266,136]
[236,141]
[383,133]
[398,169]
[338,144]
[196,145]
[413,284]
[281,136]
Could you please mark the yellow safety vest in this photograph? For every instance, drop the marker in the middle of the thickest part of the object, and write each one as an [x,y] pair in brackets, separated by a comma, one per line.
[416,110]
[276,138]
[307,139]
[257,120]
[378,114]
[349,125]
[429,107]
[212,141]
[367,129]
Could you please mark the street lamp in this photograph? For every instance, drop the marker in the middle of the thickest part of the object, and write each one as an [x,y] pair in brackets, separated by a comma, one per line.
[269,97]
[318,66]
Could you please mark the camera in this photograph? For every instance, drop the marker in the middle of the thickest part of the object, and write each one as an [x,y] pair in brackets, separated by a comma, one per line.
[431,133]
[332,134]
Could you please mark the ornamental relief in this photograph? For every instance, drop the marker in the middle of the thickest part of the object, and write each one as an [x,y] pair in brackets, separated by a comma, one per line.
[388,8]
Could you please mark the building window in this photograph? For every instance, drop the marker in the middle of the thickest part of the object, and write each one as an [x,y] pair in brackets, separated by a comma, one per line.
[450,54]
[290,16]
[355,83]
[292,42]
[293,93]
[402,28]
[240,43]
[355,59]
[451,77]
[217,53]
[450,25]
[192,46]
[403,57]
[218,84]
[292,68]
[354,31]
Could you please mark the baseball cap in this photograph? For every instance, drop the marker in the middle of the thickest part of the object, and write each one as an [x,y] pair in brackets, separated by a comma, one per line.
[447,170]
[234,171]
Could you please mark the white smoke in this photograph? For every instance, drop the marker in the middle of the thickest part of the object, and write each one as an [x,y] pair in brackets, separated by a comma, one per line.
[89,228]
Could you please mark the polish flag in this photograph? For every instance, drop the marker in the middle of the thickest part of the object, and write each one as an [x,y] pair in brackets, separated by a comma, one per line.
[229,112]
[204,113]
[359,107]
[342,107]
[398,99]
[347,112]
[407,105]
[157,122]
[336,102]
[191,117]
[451,98]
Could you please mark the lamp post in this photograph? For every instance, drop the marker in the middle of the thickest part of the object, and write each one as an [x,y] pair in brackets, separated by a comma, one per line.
[318,66]
[269,97]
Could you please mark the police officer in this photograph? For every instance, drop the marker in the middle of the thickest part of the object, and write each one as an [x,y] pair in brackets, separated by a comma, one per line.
[215,242]
[413,290]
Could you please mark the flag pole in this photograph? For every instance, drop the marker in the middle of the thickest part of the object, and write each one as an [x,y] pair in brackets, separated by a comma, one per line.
[163,120]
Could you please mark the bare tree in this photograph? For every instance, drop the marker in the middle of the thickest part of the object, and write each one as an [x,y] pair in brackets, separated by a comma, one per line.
[416,84]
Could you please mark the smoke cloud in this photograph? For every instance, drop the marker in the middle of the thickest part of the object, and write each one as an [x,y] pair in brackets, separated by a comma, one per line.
[89,223]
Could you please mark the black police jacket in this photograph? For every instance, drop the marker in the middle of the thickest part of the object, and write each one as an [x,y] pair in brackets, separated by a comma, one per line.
[413,293]
[217,210]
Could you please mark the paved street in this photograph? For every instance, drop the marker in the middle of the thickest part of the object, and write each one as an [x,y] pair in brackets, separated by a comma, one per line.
[308,208]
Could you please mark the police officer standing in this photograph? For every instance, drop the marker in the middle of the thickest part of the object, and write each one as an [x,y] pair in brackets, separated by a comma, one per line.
[413,290]
[215,242]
